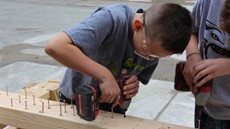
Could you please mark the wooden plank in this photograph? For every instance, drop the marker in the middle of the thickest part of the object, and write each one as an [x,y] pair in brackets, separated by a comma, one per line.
[54,92]
[29,116]
[2,126]
[54,95]
[31,84]
[44,90]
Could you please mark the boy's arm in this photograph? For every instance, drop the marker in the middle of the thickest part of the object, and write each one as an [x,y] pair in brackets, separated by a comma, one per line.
[193,57]
[198,71]
[61,48]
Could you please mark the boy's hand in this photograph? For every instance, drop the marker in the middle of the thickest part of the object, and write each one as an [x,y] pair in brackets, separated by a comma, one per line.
[210,68]
[188,69]
[131,87]
[110,91]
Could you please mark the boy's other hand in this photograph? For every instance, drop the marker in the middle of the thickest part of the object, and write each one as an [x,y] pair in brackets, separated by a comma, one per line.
[210,68]
[131,87]
[110,91]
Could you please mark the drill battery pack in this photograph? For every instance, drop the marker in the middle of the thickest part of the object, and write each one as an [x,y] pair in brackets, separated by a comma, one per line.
[179,80]
[87,103]
[87,100]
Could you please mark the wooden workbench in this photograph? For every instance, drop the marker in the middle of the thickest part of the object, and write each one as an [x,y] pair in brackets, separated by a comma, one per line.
[28,114]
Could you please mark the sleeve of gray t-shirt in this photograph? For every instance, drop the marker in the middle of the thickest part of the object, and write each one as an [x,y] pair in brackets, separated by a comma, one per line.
[196,14]
[89,34]
[145,75]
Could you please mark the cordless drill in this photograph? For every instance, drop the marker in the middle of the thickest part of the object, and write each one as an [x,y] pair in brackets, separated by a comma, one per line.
[87,100]
[202,93]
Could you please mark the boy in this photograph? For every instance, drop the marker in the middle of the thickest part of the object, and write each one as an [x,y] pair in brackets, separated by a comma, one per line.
[211,61]
[117,40]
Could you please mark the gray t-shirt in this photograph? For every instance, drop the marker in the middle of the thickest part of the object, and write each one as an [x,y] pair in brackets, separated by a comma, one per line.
[213,43]
[107,37]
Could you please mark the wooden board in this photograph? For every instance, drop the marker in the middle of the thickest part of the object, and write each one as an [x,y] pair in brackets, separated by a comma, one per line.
[10,127]
[2,126]
[14,113]
[45,90]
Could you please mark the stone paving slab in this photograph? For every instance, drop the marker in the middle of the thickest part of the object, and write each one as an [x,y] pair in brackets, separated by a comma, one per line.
[180,110]
[159,101]
[17,75]
[150,102]
[38,51]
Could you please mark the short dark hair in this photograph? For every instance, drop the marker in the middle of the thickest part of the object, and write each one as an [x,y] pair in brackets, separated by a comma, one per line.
[225,17]
[171,25]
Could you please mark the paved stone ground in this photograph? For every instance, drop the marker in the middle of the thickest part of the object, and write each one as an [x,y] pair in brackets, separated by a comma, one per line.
[30,24]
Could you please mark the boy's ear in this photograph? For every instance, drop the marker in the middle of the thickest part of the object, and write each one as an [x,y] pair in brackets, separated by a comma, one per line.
[137,25]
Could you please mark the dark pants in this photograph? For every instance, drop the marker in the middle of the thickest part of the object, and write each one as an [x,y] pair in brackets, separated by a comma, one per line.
[102,106]
[207,122]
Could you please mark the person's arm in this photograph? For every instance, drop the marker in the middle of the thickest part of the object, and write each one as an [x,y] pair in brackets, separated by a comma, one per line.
[197,71]
[192,46]
[193,57]
[61,48]
[211,68]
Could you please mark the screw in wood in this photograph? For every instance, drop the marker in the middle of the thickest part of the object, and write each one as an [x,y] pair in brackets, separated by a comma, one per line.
[25,93]
[19,98]
[11,100]
[71,102]
[65,106]
[26,105]
[48,104]
[60,110]
[198,123]
[42,111]
[112,112]
[74,114]
[34,99]
[7,90]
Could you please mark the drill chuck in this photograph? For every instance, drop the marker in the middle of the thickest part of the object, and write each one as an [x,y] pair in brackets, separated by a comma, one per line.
[125,104]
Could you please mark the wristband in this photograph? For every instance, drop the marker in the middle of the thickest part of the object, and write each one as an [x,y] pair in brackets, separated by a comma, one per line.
[192,54]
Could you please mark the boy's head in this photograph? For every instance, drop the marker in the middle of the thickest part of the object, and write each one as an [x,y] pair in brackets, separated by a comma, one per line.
[166,30]
[225,17]
[171,25]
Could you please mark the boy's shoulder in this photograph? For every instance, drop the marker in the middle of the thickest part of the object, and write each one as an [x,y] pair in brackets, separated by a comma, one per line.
[117,10]
[121,8]
[117,5]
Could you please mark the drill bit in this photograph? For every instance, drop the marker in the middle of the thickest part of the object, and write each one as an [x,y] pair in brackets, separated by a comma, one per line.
[198,124]
[112,112]
[199,119]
